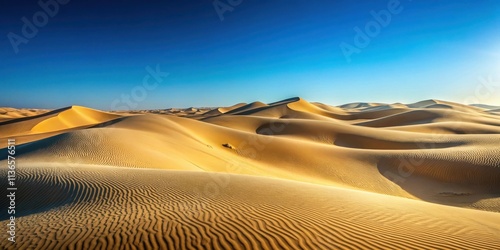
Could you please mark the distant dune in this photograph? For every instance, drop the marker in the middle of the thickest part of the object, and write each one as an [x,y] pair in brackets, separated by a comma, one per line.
[285,175]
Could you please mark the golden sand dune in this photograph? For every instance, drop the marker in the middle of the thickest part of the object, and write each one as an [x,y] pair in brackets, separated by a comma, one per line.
[494,111]
[75,116]
[289,174]
[54,121]
[96,207]
[11,113]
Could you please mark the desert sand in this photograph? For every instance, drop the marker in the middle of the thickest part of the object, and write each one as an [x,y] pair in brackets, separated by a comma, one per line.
[286,175]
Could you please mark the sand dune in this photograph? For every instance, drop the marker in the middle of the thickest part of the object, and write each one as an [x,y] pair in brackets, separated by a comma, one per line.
[11,113]
[219,111]
[494,111]
[487,107]
[290,174]
[95,207]
[61,119]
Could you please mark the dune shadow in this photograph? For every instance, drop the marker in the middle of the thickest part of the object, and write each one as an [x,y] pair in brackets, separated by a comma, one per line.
[36,194]
[107,123]
[365,142]
[440,182]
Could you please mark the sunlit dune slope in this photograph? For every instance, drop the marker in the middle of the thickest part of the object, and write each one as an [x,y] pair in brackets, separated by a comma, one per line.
[453,154]
[288,174]
[53,122]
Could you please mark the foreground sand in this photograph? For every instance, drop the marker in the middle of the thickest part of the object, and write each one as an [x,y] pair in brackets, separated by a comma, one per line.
[290,174]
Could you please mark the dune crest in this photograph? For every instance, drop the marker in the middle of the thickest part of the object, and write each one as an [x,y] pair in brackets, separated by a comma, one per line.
[72,117]
[289,174]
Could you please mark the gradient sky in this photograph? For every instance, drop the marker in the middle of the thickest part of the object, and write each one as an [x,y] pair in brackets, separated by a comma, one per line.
[93,52]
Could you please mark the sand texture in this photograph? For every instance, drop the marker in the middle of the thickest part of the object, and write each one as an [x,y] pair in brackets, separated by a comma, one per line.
[286,175]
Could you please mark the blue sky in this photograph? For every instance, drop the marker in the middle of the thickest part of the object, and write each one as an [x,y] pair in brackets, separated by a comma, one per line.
[91,53]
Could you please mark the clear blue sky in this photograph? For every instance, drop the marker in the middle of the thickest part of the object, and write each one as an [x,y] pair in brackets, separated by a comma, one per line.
[91,53]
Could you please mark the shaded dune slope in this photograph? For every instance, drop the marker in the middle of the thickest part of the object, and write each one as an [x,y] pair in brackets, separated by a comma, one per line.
[54,121]
[289,174]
